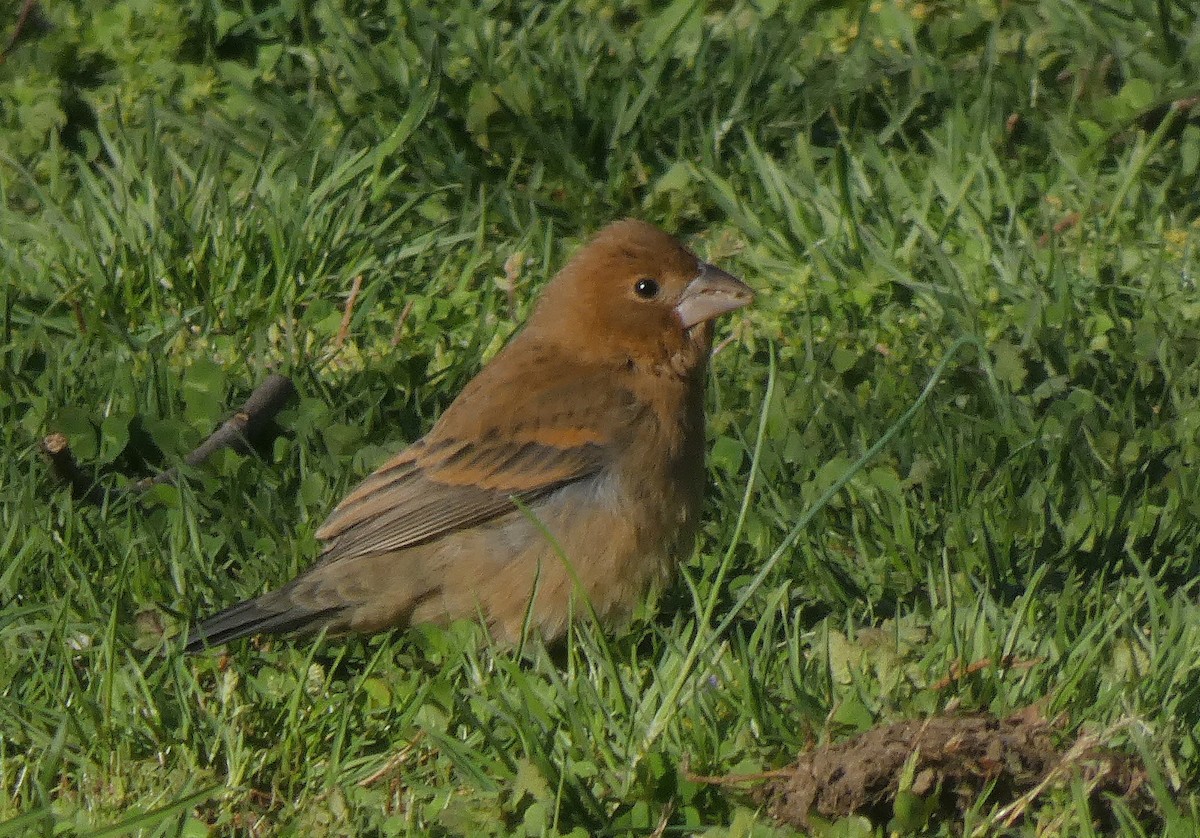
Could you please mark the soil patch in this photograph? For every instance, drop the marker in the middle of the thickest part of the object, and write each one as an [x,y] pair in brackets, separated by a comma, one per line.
[957,758]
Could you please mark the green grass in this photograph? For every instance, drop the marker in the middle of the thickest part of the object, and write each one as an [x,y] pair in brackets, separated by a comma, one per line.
[898,180]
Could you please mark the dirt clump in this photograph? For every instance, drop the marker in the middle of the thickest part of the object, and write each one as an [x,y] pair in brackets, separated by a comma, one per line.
[956,758]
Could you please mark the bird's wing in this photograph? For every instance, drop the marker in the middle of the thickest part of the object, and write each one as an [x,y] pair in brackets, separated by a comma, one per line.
[483,454]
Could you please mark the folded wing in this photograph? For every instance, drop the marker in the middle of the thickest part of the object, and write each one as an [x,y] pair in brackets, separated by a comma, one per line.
[478,460]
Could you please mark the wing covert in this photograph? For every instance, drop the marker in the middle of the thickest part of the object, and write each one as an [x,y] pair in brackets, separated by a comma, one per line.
[473,463]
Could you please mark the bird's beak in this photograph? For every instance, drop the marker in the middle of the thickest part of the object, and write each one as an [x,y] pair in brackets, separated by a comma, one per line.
[710,295]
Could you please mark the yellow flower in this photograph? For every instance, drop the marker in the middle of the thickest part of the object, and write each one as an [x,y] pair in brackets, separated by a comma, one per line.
[1177,237]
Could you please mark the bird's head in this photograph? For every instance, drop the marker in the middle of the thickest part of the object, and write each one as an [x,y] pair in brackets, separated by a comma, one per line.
[634,290]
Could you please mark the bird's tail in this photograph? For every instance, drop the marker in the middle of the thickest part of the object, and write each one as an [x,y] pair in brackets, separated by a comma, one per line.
[275,612]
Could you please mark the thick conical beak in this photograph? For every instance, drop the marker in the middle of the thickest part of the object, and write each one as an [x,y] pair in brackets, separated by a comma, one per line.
[710,295]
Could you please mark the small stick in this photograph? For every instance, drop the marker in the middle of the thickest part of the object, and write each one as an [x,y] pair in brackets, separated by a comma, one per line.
[22,18]
[344,329]
[664,820]
[80,322]
[267,400]
[66,468]
[1061,226]
[721,346]
[959,670]
[512,272]
[396,333]
[733,780]
[236,432]
[393,762]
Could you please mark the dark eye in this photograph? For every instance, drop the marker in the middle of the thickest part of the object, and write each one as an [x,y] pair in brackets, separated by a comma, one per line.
[646,288]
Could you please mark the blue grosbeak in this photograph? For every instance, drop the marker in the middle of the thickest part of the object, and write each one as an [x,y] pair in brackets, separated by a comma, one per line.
[573,461]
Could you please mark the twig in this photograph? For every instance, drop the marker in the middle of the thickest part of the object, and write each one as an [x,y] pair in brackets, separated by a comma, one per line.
[721,346]
[1061,226]
[394,761]
[1085,748]
[237,432]
[512,272]
[664,819]
[66,468]
[22,18]
[80,321]
[344,329]
[733,780]
[396,332]
[958,670]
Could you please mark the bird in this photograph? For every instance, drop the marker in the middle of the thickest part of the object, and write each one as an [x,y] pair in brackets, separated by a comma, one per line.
[566,477]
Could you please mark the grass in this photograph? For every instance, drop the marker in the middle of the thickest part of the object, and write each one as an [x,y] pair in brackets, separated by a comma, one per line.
[975,232]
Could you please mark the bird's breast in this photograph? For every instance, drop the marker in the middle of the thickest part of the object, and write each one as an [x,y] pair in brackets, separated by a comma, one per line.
[610,535]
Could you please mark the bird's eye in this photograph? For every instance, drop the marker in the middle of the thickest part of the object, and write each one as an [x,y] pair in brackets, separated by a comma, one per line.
[646,288]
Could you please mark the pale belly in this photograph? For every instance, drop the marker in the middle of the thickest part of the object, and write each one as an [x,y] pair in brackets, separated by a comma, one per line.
[594,546]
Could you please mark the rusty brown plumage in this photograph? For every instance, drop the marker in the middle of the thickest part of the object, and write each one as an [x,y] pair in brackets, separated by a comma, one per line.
[588,426]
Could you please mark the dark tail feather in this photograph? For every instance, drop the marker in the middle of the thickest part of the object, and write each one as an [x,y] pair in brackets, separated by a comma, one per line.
[271,613]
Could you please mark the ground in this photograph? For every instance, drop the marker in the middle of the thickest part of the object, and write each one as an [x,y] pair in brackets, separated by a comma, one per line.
[952,444]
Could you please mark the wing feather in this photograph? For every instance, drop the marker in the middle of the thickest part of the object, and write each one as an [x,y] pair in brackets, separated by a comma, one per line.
[478,459]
